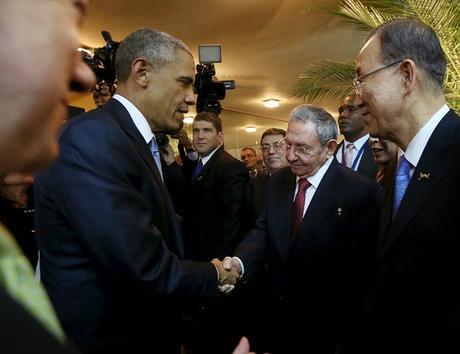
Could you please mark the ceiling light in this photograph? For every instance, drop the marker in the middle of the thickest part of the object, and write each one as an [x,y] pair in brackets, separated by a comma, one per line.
[188,120]
[251,129]
[271,103]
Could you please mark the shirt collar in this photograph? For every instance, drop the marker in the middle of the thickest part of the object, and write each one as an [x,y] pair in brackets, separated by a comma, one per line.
[208,156]
[138,118]
[358,143]
[315,180]
[417,144]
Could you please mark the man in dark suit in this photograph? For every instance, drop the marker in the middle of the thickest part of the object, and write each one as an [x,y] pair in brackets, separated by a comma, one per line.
[316,235]
[108,235]
[217,220]
[274,157]
[33,101]
[354,151]
[415,296]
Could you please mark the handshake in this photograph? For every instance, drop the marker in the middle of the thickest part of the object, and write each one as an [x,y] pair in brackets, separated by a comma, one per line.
[229,271]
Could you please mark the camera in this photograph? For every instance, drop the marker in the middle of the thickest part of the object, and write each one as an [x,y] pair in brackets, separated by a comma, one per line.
[102,61]
[210,91]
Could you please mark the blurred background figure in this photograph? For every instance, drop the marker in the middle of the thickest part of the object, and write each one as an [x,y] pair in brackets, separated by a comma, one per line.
[384,152]
[102,93]
[249,158]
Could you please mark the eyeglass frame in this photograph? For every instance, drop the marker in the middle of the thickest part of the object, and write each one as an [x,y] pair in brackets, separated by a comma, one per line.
[277,145]
[305,152]
[358,80]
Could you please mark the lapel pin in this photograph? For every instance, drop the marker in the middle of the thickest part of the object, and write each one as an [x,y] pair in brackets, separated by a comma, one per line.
[339,211]
[423,175]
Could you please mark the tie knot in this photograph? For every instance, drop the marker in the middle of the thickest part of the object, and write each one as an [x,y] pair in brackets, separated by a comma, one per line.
[404,167]
[303,184]
[350,146]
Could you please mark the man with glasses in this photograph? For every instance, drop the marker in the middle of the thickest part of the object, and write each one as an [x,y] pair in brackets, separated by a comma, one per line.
[316,235]
[249,158]
[400,75]
[354,151]
[273,154]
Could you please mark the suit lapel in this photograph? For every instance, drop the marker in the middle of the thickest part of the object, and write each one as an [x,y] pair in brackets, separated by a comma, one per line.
[322,202]
[281,212]
[420,186]
[208,166]
[122,116]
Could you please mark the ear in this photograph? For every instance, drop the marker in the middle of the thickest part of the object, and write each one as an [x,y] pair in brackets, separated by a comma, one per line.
[220,137]
[408,71]
[140,70]
[331,145]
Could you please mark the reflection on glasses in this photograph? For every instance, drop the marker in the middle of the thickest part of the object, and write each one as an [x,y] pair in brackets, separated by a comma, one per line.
[358,80]
[277,145]
[299,150]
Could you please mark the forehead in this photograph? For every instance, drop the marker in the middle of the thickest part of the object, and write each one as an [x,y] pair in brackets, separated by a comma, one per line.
[301,133]
[271,138]
[247,152]
[202,124]
[369,55]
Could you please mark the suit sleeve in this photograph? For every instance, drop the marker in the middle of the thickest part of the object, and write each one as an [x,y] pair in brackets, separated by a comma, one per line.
[96,184]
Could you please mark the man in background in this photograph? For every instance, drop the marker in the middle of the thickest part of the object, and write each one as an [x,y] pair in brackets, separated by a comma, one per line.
[249,158]
[354,151]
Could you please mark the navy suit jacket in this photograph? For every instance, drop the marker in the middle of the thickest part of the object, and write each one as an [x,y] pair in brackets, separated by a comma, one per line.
[367,165]
[109,239]
[418,261]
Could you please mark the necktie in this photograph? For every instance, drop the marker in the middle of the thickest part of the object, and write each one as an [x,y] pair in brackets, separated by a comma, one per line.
[153,146]
[401,182]
[17,278]
[197,169]
[349,155]
[299,204]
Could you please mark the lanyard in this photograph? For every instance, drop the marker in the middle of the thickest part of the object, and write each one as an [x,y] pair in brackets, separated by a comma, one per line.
[356,159]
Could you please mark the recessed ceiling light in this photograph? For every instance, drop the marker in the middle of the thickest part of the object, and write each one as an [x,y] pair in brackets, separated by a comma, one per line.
[188,120]
[271,103]
[251,129]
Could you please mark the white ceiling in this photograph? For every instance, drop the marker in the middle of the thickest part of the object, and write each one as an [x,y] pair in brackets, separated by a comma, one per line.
[265,46]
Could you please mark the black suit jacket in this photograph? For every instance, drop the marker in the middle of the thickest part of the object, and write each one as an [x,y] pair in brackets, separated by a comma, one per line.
[417,260]
[367,166]
[216,219]
[109,240]
[22,333]
[321,270]
[255,196]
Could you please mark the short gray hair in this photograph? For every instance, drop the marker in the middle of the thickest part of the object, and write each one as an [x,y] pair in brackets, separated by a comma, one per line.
[158,48]
[326,126]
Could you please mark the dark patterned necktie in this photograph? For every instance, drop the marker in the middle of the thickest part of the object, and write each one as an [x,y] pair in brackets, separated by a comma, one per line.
[197,169]
[299,204]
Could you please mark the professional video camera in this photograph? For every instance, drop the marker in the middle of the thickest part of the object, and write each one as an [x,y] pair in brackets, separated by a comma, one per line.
[210,91]
[102,61]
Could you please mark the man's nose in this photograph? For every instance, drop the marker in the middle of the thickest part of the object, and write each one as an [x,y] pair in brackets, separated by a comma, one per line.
[190,96]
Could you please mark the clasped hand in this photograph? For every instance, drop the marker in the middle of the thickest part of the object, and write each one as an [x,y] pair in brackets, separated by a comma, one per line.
[229,273]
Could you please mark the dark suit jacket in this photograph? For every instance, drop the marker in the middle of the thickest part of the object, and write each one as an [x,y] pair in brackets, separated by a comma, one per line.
[22,333]
[216,219]
[418,261]
[109,239]
[367,166]
[321,270]
[255,196]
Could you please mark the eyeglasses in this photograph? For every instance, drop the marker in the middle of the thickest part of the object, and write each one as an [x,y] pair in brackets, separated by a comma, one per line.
[299,150]
[358,80]
[277,145]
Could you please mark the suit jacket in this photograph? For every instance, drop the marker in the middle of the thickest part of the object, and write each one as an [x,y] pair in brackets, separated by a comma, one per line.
[320,272]
[367,166]
[217,218]
[417,260]
[255,196]
[22,333]
[109,240]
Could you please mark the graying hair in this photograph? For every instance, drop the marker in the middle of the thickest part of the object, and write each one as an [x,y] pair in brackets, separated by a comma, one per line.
[158,48]
[326,126]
